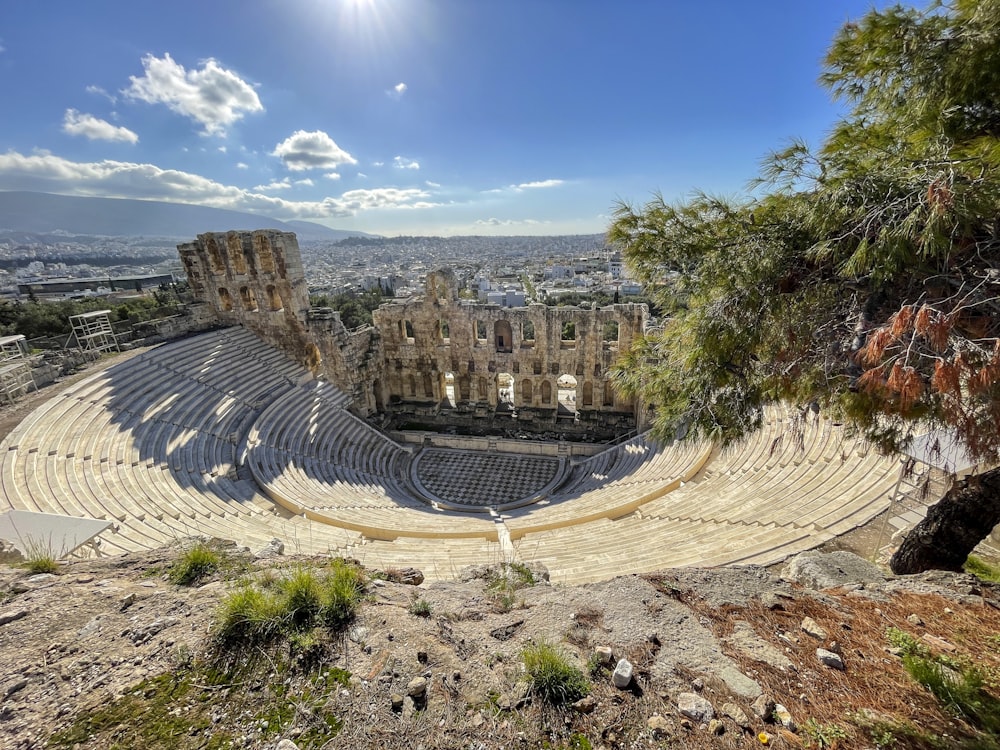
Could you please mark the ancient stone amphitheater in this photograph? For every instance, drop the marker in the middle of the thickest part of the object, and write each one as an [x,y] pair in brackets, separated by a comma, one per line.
[222,435]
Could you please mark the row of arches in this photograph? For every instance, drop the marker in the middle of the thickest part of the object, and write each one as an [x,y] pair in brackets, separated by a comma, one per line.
[248,299]
[565,393]
[260,257]
[503,334]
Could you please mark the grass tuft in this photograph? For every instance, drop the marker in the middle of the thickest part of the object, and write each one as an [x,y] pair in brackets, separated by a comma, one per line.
[553,677]
[199,562]
[262,611]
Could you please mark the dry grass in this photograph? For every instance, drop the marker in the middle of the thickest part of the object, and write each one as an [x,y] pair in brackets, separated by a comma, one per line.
[874,680]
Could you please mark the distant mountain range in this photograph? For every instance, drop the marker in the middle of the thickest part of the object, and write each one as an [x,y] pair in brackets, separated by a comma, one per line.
[45,213]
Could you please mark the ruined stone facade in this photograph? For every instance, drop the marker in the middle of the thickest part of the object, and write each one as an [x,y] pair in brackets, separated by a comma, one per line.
[435,358]
[517,359]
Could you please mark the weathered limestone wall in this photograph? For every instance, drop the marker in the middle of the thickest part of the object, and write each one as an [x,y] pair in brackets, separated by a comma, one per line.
[424,339]
[405,362]
[256,279]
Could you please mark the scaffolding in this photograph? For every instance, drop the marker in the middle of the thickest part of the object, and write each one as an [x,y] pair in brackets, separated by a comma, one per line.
[15,369]
[93,332]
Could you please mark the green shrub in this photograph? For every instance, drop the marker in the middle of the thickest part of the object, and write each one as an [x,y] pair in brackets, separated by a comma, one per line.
[262,611]
[40,557]
[420,607]
[342,591]
[199,562]
[553,678]
[249,617]
[982,569]
[959,691]
[303,598]
[906,643]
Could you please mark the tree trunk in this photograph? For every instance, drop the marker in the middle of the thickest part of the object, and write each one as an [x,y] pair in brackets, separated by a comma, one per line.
[953,527]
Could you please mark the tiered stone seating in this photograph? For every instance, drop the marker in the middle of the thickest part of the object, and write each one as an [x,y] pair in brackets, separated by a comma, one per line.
[150,444]
[330,466]
[158,444]
[793,485]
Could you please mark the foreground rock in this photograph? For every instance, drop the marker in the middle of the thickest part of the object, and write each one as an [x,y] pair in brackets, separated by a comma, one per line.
[679,652]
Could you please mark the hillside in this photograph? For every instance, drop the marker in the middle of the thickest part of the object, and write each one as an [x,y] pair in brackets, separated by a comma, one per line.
[108,653]
[45,213]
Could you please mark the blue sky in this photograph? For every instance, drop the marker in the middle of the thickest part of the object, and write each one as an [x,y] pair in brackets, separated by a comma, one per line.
[409,116]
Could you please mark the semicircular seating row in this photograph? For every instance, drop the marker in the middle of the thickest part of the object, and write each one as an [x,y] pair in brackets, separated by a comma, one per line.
[220,434]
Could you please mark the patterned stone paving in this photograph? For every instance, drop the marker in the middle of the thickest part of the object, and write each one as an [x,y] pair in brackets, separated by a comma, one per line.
[482,479]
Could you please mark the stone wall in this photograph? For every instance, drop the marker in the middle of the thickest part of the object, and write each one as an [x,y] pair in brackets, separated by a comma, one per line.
[255,279]
[422,348]
[432,342]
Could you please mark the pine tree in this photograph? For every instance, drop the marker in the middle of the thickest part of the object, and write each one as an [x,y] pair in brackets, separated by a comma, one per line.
[861,277]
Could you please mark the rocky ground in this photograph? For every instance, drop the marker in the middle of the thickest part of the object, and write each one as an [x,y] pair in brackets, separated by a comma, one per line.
[107,653]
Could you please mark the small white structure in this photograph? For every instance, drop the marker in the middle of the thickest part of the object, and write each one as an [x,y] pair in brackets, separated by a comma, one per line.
[93,332]
[15,369]
[49,533]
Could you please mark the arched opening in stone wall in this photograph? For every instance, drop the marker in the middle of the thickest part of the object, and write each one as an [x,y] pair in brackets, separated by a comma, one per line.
[428,385]
[482,389]
[274,302]
[265,257]
[610,333]
[444,331]
[215,255]
[377,394]
[448,390]
[609,394]
[464,388]
[408,331]
[248,299]
[503,336]
[225,299]
[527,334]
[568,335]
[546,393]
[236,257]
[566,393]
[411,386]
[526,392]
[481,333]
[505,392]
[587,393]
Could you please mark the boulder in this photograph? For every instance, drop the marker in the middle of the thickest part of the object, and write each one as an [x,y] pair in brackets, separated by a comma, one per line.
[274,548]
[823,570]
[694,707]
[830,659]
[737,714]
[622,676]
[812,628]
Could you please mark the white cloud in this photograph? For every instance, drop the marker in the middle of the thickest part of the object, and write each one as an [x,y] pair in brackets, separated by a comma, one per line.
[495,222]
[46,172]
[430,184]
[242,165]
[332,176]
[397,91]
[361,175]
[222,149]
[378,163]
[306,182]
[77,123]
[400,162]
[311,150]
[274,185]
[538,184]
[211,96]
[98,91]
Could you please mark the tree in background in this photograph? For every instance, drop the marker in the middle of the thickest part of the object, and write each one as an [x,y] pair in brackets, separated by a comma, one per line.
[862,277]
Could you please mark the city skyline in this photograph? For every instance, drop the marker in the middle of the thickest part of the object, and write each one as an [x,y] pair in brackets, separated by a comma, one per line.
[433,117]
